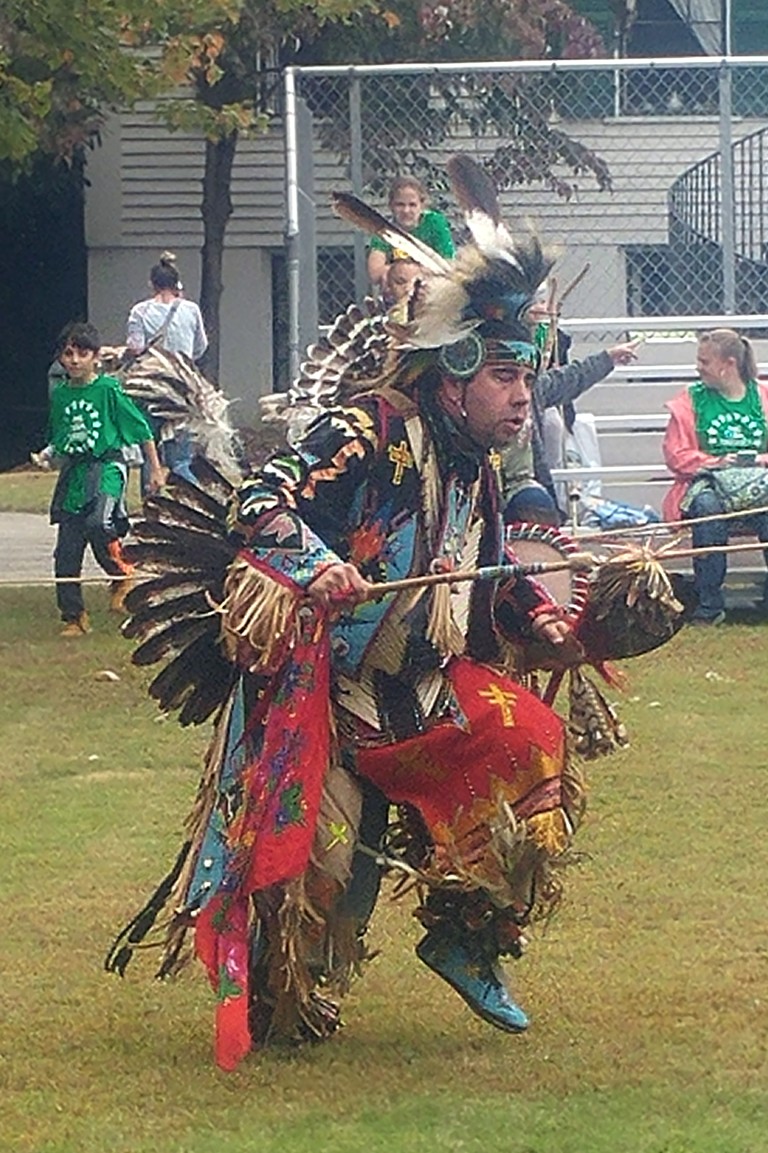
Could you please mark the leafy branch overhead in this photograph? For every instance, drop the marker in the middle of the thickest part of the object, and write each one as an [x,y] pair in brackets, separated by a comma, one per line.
[212,66]
[507,115]
[65,63]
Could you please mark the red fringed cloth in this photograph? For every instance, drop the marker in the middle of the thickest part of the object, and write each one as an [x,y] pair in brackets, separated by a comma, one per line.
[271,834]
[501,748]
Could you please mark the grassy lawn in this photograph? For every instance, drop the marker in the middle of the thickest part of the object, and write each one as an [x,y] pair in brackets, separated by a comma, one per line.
[29,490]
[647,992]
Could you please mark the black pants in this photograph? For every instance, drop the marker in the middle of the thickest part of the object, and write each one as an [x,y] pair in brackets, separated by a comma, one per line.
[74,534]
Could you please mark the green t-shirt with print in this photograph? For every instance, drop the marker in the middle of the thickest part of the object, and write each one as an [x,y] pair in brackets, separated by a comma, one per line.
[93,422]
[723,425]
[433,228]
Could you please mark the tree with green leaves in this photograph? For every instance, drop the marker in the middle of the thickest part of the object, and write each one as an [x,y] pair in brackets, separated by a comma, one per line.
[269,33]
[65,63]
[406,117]
[232,89]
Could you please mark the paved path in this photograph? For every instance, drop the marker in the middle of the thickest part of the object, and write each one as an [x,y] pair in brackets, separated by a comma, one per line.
[26,547]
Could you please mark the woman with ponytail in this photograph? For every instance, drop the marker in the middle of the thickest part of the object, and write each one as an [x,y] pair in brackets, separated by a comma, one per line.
[715,445]
[166,320]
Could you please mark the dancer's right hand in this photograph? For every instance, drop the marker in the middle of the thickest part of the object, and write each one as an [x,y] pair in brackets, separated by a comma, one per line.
[339,586]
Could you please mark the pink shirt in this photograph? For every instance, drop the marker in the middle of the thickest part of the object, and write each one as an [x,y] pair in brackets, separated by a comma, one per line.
[682,454]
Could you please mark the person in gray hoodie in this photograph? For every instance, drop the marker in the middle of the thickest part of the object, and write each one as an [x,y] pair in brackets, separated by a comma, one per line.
[525,468]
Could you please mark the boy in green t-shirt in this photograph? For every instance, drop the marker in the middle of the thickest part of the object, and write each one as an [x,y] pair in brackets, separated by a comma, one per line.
[91,421]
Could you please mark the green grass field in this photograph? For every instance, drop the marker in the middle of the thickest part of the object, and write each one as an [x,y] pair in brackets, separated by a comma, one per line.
[29,490]
[648,992]
[26,490]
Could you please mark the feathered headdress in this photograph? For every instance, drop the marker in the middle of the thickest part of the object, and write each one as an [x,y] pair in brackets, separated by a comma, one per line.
[474,307]
[461,313]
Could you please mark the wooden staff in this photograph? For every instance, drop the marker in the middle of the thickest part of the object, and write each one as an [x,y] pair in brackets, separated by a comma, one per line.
[578,562]
[574,284]
[33,582]
[680,553]
[554,307]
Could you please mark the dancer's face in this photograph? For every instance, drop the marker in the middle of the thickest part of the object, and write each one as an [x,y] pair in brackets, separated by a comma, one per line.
[494,405]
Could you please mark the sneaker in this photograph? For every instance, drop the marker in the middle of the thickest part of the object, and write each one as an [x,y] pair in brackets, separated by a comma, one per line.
[41,460]
[76,628]
[702,619]
[476,979]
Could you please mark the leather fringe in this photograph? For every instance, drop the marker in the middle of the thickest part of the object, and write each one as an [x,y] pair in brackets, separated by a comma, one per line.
[442,630]
[259,611]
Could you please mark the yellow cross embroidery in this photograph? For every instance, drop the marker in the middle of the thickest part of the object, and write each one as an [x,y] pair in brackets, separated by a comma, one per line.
[504,699]
[339,835]
[401,458]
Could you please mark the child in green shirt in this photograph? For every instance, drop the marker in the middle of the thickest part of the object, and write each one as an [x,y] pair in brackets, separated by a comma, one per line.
[91,421]
[408,205]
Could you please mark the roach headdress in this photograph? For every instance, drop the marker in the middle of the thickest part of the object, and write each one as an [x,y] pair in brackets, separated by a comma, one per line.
[471,309]
[462,312]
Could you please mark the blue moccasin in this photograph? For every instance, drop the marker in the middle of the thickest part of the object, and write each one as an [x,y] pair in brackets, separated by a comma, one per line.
[474,978]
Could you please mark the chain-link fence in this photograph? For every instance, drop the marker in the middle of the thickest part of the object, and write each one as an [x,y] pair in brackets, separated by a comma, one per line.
[653,174]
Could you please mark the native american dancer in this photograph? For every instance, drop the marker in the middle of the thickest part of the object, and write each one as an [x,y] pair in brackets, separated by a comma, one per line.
[338,704]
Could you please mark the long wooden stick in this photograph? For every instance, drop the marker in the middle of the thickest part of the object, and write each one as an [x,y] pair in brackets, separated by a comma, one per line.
[680,553]
[45,581]
[33,582]
[578,562]
[574,283]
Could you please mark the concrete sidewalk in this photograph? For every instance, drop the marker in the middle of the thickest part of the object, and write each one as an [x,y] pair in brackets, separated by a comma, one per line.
[26,547]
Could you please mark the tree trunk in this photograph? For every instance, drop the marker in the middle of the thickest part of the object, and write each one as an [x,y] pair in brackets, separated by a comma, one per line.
[216,210]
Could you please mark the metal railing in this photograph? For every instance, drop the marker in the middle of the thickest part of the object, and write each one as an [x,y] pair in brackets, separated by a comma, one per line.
[697,225]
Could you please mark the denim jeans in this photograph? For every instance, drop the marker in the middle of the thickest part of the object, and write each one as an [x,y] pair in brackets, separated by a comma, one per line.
[709,571]
[177,455]
[73,535]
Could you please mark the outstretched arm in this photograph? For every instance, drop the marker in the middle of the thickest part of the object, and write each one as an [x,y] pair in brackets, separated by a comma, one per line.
[561,385]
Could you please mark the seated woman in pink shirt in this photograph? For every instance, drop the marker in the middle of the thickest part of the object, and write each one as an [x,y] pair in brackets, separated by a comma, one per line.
[719,422]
